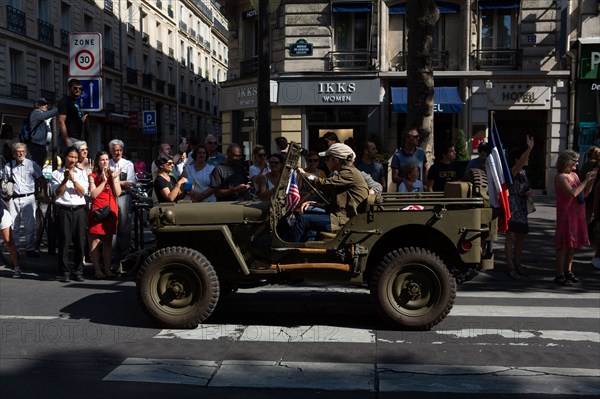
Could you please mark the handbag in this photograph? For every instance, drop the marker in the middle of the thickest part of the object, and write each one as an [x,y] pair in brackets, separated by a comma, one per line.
[530,205]
[7,186]
[102,213]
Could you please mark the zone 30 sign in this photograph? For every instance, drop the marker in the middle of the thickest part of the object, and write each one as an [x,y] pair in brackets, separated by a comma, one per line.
[85,54]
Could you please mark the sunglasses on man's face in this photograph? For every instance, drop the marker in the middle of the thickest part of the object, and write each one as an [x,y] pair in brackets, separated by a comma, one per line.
[312,160]
[77,87]
[262,155]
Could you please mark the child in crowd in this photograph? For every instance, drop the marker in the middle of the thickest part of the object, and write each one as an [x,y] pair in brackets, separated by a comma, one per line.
[411,184]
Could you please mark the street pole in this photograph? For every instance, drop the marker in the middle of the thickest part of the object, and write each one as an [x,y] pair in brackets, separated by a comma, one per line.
[264,76]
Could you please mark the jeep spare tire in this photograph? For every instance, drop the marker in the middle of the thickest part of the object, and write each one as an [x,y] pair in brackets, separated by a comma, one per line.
[178,287]
[413,289]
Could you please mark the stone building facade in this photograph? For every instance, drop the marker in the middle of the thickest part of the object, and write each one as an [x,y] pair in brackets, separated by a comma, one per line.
[341,66]
[161,55]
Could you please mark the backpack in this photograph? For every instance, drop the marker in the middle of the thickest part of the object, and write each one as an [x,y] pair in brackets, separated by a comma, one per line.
[26,131]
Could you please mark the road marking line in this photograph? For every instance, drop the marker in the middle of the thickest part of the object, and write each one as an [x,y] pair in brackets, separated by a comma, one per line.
[255,333]
[18,317]
[333,334]
[527,295]
[530,312]
[359,376]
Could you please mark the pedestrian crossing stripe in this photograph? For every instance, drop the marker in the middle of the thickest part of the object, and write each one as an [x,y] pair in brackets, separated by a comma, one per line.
[360,376]
[334,334]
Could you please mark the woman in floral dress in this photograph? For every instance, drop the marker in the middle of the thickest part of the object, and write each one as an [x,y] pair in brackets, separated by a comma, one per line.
[571,225]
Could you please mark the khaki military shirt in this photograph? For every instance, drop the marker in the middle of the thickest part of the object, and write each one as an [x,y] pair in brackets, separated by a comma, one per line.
[347,192]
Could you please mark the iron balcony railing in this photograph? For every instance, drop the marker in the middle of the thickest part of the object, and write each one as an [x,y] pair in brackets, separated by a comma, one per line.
[183,26]
[203,8]
[147,81]
[497,59]
[45,32]
[18,91]
[350,60]
[16,20]
[132,77]
[160,86]
[64,39]
[109,58]
[439,60]
[221,28]
[108,6]
[249,67]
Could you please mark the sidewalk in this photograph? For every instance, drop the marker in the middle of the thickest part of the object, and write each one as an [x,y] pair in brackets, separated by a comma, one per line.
[539,251]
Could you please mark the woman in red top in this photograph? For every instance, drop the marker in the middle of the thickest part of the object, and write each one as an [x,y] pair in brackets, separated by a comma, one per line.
[104,190]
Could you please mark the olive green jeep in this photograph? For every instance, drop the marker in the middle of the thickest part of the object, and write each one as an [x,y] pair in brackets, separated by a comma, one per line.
[408,249]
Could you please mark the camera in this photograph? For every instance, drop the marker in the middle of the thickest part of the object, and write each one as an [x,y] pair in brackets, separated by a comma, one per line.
[187,186]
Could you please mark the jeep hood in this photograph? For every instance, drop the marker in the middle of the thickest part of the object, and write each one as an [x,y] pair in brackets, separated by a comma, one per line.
[208,213]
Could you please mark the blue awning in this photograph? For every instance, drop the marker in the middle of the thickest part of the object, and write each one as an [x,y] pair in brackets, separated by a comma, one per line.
[498,4]
[446,100]
[352,6]
[445,8]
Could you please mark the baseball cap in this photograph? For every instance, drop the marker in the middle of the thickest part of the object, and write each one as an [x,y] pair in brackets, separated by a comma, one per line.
[340,151]
[41,100]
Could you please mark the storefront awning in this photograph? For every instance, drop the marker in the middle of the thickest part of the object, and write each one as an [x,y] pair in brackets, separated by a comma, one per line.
[445,8]
[352,6]
[446,99]
[498,4]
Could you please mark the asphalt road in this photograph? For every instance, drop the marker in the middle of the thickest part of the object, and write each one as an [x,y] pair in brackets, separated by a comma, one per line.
[503,338]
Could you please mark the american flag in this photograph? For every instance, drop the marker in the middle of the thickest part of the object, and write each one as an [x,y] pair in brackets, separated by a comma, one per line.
[292,197]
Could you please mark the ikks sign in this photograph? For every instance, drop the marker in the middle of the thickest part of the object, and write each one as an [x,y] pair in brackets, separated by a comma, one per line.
[333,92]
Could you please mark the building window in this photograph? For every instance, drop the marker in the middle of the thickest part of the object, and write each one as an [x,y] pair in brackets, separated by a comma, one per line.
[88,23]
[351,23]
[45,74]
[498,38]
[65,17]
[44,10]
[498,29]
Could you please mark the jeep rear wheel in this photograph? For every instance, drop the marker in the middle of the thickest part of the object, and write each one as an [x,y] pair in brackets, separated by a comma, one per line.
[178,287]
[413,289]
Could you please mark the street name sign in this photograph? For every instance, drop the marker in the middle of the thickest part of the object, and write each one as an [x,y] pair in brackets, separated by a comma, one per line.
[85,54]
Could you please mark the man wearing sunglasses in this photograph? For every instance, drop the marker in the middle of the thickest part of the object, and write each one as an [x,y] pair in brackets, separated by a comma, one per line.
[214,157]
[70,116]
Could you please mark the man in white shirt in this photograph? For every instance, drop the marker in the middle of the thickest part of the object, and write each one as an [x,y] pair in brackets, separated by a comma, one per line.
[69,185]
[122,240]
[24,173]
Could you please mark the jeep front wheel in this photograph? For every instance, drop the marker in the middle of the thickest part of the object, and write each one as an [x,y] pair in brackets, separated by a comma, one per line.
[178,287]
[413,289]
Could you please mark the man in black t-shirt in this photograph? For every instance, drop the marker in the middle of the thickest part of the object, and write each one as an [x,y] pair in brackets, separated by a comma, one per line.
[443,170]
[229,179]
[70,117]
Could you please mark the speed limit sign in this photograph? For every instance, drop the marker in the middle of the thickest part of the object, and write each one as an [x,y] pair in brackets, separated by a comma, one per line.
[85,51]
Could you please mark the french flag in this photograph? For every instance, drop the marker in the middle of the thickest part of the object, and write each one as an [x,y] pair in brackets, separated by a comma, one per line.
[499,178]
